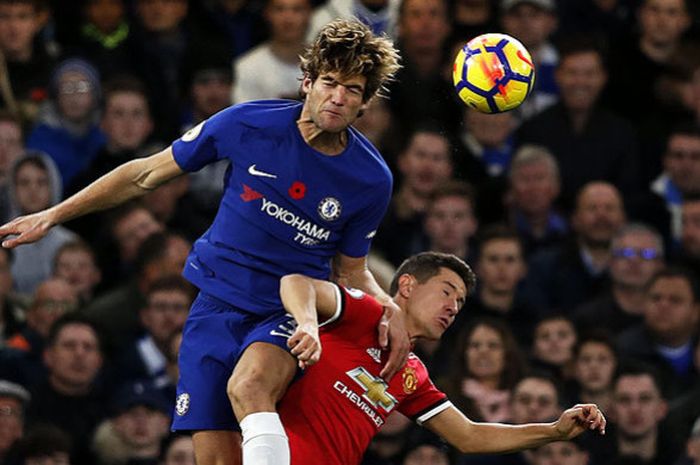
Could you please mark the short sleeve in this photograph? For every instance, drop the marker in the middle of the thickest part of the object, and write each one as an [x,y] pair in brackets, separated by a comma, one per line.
[358,235]
[427,400]
[198,146]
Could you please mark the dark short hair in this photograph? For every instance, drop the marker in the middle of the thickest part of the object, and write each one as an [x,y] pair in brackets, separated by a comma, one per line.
[425,265]
[453,188]
[498,232]
[676,271]
[44,440]
[579,43]
[73,319]
[632,367]
[173,282]
[684,128]
[595,336]
[127,84]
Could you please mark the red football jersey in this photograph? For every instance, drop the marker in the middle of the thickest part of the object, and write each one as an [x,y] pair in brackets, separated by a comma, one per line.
[332,412]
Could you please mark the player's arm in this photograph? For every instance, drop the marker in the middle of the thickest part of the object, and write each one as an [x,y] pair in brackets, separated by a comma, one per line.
[125,182]
[353,272]
[489,438]
[308,300]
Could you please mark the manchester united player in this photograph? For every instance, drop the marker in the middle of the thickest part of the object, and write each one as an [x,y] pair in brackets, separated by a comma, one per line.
[336,408]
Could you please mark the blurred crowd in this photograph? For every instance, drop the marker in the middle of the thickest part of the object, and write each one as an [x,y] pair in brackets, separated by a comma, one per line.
[579,212]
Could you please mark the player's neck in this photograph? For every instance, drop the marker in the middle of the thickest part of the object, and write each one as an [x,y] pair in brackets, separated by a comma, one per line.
[328,143]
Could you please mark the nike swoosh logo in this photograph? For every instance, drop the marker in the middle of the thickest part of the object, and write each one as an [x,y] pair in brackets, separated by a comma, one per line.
[254,172]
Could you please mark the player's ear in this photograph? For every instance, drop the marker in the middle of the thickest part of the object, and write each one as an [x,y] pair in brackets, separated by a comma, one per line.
[306,84]
[406,283]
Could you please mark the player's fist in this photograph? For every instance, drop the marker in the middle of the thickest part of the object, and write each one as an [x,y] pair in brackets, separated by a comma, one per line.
[578,419]
[305,344]
[28,229]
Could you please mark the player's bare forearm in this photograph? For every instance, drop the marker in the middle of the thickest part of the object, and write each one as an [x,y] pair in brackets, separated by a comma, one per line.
[129,180]
[353,272]
[299,298]
[493,438]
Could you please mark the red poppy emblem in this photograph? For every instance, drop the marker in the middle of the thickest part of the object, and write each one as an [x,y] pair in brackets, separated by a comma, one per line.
[298,190]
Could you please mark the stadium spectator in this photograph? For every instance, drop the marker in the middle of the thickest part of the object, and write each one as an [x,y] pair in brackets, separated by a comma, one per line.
[271,70]
[449,223]
[28,61]
[67,128]
[483,158]
[535,398]
[167,44]
[13,402]
[73,358]
[471,18]
[53,299]
[595,362]
[159,255]
[666,338]
[637,412]
[693,445]
[424,163]
[588,142]
[177,449]
[167,305]
[75,262]
[661,205]
[500,267]
[104,37]
[661,25]
[688,254]
[534,186]
[427,451]
[553,345]
[609,20]
[35,185]
[567,275]
[240,21]
[637,255]
[127,125]
[486,366]
[533,22]
[46,445]
[11,307]
[137,425]
[420,91]
[11,148]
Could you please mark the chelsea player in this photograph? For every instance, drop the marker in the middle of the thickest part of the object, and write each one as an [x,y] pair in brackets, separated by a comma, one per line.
[303,189]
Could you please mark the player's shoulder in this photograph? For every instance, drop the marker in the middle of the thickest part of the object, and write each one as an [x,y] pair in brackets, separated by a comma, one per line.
[260,114]
[355,305]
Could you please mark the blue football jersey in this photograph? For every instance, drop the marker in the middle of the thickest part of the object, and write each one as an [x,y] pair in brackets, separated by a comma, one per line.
[286,208]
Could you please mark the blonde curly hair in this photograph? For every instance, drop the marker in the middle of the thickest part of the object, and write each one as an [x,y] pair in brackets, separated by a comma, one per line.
[348,47]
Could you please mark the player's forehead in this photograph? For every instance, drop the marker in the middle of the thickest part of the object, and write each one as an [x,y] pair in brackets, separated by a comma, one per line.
[343,78]
[449,278]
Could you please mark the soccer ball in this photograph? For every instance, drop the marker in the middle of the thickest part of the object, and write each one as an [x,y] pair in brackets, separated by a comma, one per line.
[493,73]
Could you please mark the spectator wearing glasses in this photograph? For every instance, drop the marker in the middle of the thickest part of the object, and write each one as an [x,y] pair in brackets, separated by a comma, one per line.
[666,338]
[13,400]
[637,255]
[52,299]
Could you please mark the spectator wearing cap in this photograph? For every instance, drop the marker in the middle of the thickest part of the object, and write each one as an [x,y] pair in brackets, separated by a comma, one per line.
[71,397]
[13,401]
[533,22]
[67,128]
[134,431]
[271,70]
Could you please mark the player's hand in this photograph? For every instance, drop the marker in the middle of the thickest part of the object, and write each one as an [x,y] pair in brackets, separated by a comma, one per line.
[578,419]
[29,228]
[305,344]
[393,334]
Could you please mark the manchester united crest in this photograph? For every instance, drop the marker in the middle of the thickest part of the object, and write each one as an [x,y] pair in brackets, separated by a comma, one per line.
[410,380]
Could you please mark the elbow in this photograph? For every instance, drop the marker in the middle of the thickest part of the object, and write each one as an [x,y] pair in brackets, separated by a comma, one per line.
[289,280]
